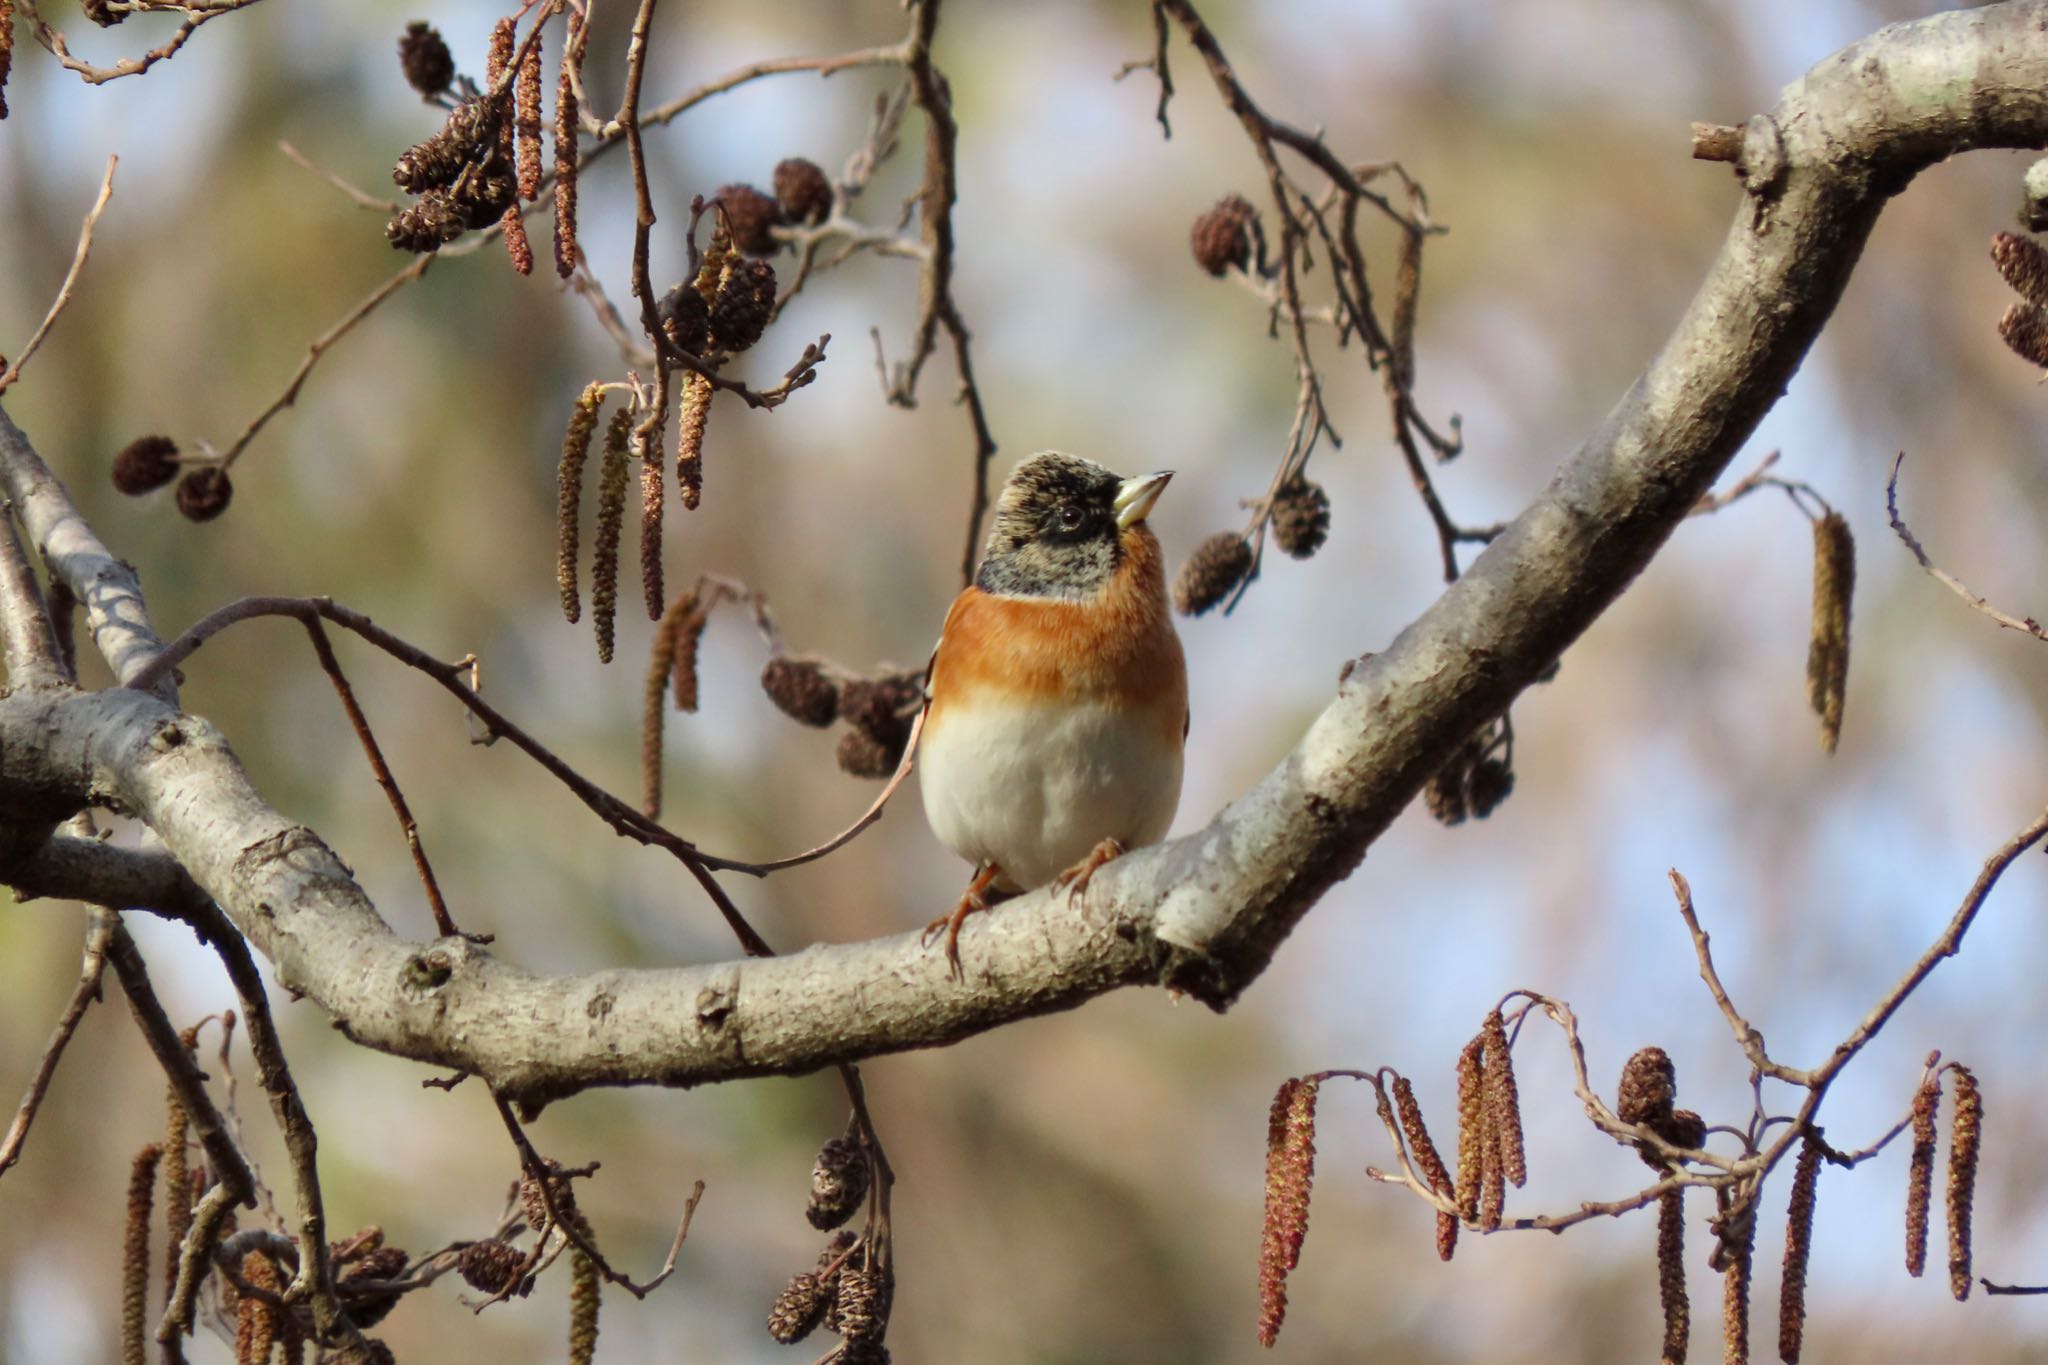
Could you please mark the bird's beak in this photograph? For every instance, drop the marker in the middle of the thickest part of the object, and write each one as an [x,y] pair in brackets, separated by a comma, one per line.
[1134,497]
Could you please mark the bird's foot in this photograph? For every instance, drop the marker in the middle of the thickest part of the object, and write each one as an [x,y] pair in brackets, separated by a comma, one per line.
[973,899]
[1075,879]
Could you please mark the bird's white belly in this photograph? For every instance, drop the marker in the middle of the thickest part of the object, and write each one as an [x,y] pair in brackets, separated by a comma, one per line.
[1033,786]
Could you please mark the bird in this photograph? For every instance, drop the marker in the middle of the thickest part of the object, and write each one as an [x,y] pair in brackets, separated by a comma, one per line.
[1056,707]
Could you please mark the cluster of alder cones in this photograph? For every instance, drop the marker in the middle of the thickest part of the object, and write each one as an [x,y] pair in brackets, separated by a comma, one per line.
[878,711]
[852,1287]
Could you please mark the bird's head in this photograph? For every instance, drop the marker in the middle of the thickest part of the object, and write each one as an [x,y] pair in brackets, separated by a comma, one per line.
[1061,525]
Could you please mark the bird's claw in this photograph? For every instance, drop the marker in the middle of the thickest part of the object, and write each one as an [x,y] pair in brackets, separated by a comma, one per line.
[1074,881]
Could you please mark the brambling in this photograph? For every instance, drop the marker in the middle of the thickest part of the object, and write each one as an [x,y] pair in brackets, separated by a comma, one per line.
[1057,700]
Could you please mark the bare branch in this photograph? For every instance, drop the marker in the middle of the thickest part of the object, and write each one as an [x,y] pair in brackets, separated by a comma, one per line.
[99,931]
[2025,625]
[12,372]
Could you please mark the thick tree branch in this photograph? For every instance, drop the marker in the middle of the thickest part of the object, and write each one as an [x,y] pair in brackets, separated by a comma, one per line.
[106,586]
[1205,913]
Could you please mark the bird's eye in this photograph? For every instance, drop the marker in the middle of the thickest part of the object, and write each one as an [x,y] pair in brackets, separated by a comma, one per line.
[1070,517]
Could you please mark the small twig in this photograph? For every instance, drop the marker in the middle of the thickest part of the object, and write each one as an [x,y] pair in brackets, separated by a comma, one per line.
[1991,1288]
[2025,625]
[180,1069]
[318,347]
[361,198]
[544,1178]
[1716,142]
[1156,64]
[444,923]
[195,16]
[622,817]
[13,370]
[1746,1035]
[99,931]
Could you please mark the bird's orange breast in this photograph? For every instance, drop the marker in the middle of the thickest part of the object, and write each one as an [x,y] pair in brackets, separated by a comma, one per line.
[1117,647]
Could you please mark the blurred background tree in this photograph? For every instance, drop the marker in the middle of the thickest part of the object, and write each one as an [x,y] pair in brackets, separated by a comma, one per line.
[1082,1187]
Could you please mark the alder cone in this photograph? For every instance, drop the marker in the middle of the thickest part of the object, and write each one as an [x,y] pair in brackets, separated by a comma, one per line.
[1222,237]
[1301,517]
[1218,565]
[424,57]
[803,191]
[145,464]
[801,691]
[740,313]
[750,214]
[203,494]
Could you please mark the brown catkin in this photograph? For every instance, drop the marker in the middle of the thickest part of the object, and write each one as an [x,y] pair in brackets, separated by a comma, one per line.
[651,508]
[256,1319]
[177,1187]
[1471,1127]
[135,1256]
[526,121]
[1493,1185]
[569,494]
[1738,1248]
[583,1304]
[1503,1100]
[1671,1275]
[1827,657]
[566,126]
[2024,264]
[1798,1247]
[696,411]
[611,518]
[1432,1163]
[2024,329]
[1920,1175]
[1965,1145]
[1290,1175]
[1407,292]
[751,216]
[516,245]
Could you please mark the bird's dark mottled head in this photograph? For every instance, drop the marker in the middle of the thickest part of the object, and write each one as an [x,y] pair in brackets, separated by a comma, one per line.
[1059,526]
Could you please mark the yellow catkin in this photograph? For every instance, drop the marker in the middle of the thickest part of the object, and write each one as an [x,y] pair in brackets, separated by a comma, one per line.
[651,508]
[135,1256]
[611,519]
[663,660]
[1798,1247]
[255,1319]
[1965,1147]
[584,1293]
[1827,656]
[696,410]
[1671,1276]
